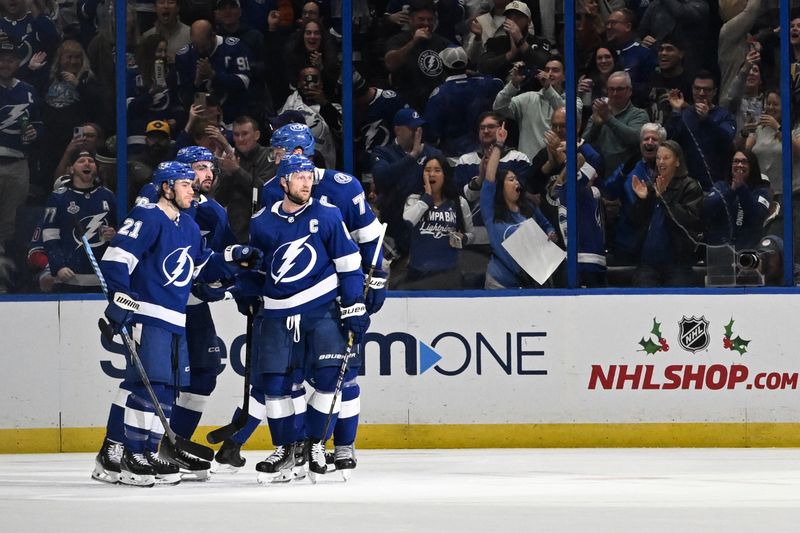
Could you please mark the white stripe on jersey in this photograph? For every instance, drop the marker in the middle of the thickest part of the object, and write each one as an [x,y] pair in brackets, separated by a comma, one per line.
[51,234]
[121,256]
[303,297]
[368,233]
[162,313]
[348,263]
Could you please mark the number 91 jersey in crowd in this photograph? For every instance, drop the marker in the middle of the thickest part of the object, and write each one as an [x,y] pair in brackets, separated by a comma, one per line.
[309,259]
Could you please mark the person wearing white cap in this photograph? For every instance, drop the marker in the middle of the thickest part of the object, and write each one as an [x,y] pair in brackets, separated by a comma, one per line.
[454,106]
[515,44]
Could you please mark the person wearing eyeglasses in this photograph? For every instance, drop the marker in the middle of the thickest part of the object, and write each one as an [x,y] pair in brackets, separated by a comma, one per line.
[614,126]
[705,130]
[633,57]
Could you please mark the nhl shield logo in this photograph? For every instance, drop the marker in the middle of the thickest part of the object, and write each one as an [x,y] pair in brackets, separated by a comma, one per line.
[693,333]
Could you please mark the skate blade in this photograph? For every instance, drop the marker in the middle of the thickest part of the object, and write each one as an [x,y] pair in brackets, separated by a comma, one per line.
[267,478]
[168,479]
[195,475]
[104,476]
[133,480]
[298,473]
[346,474]
[222,468]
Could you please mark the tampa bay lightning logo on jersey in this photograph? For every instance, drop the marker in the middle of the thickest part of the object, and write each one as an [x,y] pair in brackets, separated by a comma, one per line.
[9,118]
[178,267]
[342,178]
[293,260]
[93,225]
[430,63]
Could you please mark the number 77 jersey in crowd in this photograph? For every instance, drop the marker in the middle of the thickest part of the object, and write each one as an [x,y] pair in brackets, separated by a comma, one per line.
[309,259]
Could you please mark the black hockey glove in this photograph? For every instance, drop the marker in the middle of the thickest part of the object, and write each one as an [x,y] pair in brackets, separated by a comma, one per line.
[120,309]
[376,294]
[213,292]
[243,255]
[249,305]
[355,320]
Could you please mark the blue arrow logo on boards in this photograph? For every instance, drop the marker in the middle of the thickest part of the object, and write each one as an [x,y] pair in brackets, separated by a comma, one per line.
[427,357]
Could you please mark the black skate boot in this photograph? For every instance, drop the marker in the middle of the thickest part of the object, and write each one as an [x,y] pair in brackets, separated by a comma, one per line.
[228,458]
[316,460]
[195,468]
[345,460]
[166,472]
[135,470]
[300,459]
[277,468]
[106,464]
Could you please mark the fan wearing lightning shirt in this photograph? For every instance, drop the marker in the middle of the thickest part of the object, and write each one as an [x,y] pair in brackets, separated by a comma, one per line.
[149,268]
[345,192]
[81,205]
[311,261]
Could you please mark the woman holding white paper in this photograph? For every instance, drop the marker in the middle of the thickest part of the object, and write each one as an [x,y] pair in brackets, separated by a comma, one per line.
[505,207]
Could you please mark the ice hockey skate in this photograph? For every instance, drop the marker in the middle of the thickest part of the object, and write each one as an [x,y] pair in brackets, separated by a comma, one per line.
[166,472]
[106,464]
[191,468]
[277,468]
[228,459]
[135,470]
[300,460]
[316,460]
[345,460]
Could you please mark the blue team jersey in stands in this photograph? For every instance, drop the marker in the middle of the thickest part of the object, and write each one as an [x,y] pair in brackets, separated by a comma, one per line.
[343,191]
[155,260]
[70,212]
[376,127]
[15,102]
[309,259]
[453,109]
[230,60]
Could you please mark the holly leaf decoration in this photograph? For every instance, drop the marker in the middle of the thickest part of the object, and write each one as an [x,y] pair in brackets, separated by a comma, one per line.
[739,344]
[656,328]
[729,329]
[648,346]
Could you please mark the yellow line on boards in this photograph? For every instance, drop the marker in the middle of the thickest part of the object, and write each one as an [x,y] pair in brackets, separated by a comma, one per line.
[401,436]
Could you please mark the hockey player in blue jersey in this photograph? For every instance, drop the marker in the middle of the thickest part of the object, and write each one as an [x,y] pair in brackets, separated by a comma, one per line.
[201,335]
[149,267]
[344,192]
[81,206]
[310,262]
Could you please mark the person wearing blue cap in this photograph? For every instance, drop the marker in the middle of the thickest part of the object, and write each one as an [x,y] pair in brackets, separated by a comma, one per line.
[397,171]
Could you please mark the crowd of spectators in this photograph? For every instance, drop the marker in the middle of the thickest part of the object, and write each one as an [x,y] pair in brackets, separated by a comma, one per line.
[459,119]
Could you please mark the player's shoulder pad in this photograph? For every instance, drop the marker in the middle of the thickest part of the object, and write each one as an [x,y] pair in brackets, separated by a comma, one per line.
[259,212]
[183,50]
[342,178]
[231,41]
[388,93]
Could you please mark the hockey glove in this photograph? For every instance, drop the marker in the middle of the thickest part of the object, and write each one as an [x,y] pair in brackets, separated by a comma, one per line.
[376,293]
[212,292]
[120,309]
[243,255]
[355,320]
[249,305]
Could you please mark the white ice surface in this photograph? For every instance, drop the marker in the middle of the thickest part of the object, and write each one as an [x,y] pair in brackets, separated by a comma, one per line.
[581,490]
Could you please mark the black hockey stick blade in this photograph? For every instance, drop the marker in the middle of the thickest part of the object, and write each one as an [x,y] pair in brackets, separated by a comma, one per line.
[190,447]
[225,432]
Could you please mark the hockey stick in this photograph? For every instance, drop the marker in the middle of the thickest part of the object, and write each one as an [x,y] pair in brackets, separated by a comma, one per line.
[349,351]
[225,432]
[193,448]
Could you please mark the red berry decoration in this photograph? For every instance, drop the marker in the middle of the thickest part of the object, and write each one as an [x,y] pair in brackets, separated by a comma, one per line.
[666,347]
[726,342]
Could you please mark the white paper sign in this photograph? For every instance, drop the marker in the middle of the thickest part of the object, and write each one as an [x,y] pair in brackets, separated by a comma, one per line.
[533,251]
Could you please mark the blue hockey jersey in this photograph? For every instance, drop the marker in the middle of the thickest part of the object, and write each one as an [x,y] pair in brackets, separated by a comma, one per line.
[32,35]
[156,259]
[375,128]
[17,101]
[453,109]
[343,191]
[68,213]
[309,259]
[230,60]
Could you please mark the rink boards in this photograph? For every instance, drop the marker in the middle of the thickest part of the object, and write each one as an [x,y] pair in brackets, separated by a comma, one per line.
[542,371]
